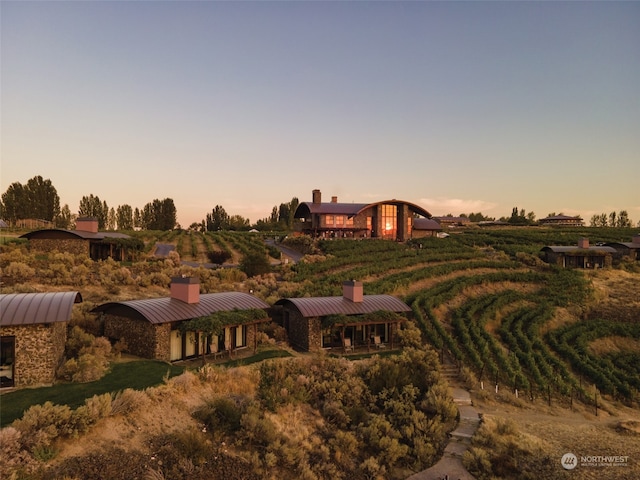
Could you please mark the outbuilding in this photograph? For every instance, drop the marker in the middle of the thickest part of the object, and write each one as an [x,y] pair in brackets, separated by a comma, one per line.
[33,334]
[346,322]
[151,328]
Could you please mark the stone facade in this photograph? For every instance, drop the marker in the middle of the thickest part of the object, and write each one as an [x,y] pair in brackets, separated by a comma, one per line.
[142,338]
[147,340]
[39,351]
[74,246]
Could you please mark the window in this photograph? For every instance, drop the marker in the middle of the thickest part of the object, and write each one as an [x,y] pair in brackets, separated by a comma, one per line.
[389,221]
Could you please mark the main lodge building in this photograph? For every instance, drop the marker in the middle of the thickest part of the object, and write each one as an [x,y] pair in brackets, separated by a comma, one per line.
[389,219]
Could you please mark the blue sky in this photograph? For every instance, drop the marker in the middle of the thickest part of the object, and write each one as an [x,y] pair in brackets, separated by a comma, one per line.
[456,106]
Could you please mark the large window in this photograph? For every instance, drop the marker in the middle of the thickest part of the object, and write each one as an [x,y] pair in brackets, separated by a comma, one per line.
[389,222]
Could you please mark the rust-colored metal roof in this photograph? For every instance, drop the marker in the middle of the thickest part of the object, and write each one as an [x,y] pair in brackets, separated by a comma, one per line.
[36,308]
[351,209]
[321,306]
[167,309]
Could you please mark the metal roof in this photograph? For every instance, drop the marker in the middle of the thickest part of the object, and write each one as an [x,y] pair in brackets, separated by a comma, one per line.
[426,224]
[351,209]
[321,306]
[167,309]
[36,308]
[567,249]
[57,232]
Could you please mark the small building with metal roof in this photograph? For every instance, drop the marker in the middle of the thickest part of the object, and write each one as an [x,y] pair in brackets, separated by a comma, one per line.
[33,333]
[630,249]
[150,328]
[425,227]
[581,256]
[561,221]
[318,323]
[85,240]
[388,219]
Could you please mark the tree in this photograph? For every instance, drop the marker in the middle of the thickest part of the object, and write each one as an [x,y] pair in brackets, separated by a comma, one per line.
[91,206]
[65,219]
[218,219]
[111,219]
[15,203]
[124,217]
[37,199]
[43,199]
[623,219]
[137,218]
[159,215]
[255,263]
[237,222]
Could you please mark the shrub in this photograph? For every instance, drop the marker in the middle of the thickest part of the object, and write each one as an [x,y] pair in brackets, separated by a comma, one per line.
[19,271]
[221,415]
[42,424]
[128,401]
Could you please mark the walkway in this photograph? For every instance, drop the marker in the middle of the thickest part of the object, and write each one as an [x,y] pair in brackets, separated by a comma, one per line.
[450,465]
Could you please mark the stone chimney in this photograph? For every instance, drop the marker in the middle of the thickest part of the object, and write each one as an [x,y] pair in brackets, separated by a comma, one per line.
[636,238]
[334,199]
[317,196]
[353,291]
[185,289]
[87,224]
[583,242]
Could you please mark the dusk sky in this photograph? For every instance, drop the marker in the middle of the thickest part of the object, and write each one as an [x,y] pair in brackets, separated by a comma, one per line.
[456,106]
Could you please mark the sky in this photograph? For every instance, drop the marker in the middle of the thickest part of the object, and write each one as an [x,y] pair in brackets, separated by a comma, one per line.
[456,106]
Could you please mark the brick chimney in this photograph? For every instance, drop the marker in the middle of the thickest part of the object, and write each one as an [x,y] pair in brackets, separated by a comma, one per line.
[352,290]
[583,242]
[185,289]
[87,224]
[317,196]
[334,199]
[636,239]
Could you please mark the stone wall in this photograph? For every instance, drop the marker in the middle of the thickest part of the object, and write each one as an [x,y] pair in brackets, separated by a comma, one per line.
[142,338]
[75,246]
[298,330]
[39,351]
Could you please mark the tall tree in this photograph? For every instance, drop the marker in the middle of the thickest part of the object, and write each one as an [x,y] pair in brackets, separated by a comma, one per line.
[111,219]
[218,219]
[43,199]
[137,218]
[159,215]
[92,206]
[623,219]
[124,217]
[65,218]
[15,203]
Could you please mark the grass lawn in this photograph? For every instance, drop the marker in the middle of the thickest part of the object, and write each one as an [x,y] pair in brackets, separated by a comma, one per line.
[137,375]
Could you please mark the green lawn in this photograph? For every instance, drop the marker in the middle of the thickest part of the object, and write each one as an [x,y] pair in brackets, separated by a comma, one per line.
[137,375]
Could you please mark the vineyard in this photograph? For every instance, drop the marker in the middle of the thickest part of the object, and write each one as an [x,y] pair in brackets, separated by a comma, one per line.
[481,297]
[486,302]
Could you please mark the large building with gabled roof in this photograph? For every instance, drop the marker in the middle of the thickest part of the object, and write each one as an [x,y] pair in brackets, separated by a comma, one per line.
[388,219]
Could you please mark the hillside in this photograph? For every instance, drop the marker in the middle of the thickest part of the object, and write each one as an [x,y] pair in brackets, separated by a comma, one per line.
[565,340]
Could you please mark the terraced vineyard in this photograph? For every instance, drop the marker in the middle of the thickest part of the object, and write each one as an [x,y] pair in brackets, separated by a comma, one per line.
[485,301]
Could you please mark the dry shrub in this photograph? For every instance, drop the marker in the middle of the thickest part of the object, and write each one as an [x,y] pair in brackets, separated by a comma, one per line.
[19,271]
[12,453]
[184,382]
[42,424]
[128,401]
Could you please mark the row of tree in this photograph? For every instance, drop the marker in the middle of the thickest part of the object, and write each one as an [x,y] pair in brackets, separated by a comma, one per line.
[38,199]
[613,219]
